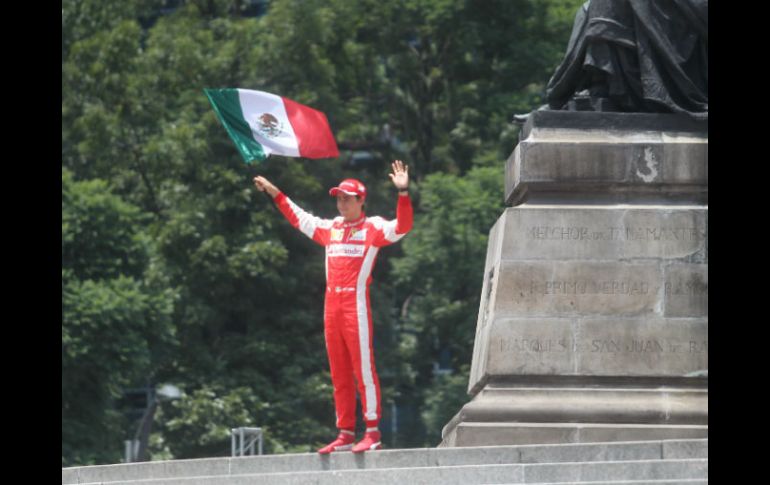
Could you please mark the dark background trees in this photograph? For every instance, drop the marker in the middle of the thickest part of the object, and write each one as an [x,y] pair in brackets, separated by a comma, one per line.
[176,270]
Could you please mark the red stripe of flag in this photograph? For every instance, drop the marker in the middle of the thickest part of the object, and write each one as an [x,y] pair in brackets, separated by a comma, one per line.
[314,137]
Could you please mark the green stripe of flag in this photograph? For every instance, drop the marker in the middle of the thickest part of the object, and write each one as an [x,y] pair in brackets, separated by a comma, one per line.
[227,106]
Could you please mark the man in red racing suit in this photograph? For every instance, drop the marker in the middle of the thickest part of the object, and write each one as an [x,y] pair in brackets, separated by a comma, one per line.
[352,242]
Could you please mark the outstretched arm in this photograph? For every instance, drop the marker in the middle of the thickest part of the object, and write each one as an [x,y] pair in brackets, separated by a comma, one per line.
[313,227]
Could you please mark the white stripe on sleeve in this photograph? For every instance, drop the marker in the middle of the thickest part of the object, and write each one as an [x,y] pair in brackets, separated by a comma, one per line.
[308,222]
[388,228]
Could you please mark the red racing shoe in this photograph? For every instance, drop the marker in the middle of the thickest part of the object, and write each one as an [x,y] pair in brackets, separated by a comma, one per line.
[370,442]
[344,442]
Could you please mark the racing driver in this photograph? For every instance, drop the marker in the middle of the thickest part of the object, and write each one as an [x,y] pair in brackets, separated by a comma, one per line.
[352,241]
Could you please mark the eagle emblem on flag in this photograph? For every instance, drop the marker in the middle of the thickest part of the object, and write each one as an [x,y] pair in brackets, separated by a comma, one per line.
[269,125]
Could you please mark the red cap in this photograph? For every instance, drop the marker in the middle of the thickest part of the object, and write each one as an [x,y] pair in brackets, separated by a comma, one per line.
[350,187]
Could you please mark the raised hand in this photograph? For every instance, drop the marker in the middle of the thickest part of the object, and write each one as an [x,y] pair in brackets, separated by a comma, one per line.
[264,185]
[400,175]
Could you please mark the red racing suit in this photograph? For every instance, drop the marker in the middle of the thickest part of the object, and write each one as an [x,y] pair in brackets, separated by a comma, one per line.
[351,251]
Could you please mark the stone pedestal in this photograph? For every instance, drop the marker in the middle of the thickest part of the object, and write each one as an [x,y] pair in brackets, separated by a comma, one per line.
[593,323]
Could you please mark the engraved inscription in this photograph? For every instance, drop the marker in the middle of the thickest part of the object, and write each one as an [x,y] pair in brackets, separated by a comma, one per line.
[536,345]
[601,346]
[689,288]
[586,287]
[699,347]
[560,233]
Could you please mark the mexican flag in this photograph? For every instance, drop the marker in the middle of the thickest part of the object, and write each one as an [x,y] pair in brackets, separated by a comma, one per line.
[261,124]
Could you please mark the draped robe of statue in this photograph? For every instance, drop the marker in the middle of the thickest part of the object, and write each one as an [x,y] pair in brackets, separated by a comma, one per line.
[635,56]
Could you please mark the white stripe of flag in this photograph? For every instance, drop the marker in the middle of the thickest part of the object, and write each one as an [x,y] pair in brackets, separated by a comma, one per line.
[261,124]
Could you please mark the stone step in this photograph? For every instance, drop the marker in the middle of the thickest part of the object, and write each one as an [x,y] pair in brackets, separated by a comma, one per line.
[671,470]
[681,481]
[399,458]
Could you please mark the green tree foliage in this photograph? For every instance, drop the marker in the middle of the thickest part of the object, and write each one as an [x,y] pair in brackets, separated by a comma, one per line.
[448,394]
[174,269]
[441,274]
[116,322]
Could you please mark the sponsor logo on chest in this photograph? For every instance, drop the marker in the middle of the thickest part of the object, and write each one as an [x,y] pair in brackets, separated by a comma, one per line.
[357,235]
[348,250]
[336,234]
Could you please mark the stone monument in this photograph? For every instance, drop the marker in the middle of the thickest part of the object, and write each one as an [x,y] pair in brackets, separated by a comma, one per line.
[593,322]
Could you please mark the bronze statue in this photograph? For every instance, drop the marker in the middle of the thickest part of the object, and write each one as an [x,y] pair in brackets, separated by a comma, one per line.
[635,56]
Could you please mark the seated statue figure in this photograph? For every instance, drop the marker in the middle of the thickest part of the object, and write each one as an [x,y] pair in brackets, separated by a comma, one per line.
[635,56]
